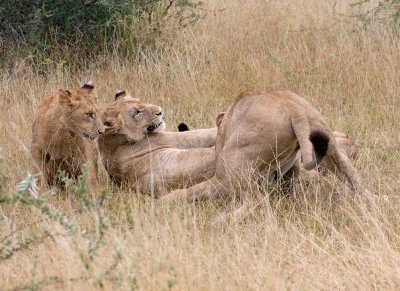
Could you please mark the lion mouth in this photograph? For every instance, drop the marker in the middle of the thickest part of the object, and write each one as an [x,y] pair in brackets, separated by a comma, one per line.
[154,126]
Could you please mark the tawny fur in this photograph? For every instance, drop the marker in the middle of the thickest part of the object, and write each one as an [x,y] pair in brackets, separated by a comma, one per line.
[153,160]
[343,143]
[261,134]
[64,134]
[346,145]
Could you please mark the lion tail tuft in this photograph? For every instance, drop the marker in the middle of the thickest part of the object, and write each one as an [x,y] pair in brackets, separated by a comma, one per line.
[320,141]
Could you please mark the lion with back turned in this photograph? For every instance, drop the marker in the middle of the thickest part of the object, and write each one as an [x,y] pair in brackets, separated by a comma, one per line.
[64,133]
[262,134]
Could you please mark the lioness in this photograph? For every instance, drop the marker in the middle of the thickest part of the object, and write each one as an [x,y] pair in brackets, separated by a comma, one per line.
[64,131]
[344,144]
[261,134]
[139,153]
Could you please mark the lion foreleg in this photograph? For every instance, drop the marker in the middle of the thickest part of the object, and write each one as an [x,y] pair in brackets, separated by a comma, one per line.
[200,138]
[38,167]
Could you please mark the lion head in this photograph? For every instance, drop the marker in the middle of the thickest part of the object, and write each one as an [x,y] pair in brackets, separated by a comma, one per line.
[132,118]
[80,113]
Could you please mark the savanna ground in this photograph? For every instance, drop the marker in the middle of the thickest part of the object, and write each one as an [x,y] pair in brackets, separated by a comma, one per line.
[323,237]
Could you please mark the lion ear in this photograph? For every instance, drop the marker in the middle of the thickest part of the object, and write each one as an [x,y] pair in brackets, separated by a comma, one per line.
[120,94]
[65,97]
[114,123]
[88,87]
[219,118]
[183,127]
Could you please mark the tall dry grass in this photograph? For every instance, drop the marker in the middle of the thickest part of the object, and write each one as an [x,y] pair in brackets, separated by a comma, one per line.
[320,238]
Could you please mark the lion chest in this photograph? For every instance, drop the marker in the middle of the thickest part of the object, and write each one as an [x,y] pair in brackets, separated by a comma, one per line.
[66,156]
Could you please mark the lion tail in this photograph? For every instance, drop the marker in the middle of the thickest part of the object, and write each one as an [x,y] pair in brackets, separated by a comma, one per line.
[313,143]
[320,141]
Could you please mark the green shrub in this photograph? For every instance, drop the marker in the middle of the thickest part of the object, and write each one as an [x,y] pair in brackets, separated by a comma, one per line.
[387,11]
[72,29]
[29,199]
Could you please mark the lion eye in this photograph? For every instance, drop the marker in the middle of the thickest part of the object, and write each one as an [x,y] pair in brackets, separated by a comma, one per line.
[89,115]
[138,113]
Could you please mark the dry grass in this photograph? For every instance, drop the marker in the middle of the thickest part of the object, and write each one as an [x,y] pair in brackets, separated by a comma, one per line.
[321,238]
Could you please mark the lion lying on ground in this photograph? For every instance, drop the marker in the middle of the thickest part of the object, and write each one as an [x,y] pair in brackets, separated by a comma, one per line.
[139,153]
[63,135]
[261,135]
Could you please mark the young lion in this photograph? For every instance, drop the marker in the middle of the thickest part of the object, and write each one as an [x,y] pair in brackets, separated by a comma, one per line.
[63,135]
[261,134]
[138,152]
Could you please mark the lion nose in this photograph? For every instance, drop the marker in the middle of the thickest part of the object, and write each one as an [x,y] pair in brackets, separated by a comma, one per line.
[159,113]
[100,131]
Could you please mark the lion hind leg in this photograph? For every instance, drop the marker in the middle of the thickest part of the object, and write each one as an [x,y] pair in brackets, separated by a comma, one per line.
[290,179]
[341,165]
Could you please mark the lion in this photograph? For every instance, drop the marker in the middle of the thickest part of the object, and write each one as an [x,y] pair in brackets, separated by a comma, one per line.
[291,178]
[64,133]
[139,153]
[261,135]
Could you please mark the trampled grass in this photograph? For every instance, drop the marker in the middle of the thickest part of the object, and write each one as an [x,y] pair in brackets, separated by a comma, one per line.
[320,238]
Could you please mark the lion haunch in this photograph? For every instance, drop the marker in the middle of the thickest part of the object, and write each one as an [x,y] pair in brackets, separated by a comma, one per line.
[261,134]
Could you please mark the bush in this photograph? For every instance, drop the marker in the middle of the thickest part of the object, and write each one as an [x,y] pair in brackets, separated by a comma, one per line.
[387,11]
[69,29]
[58,225]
